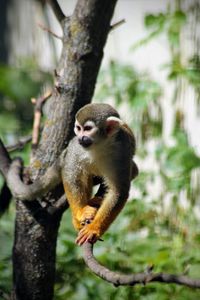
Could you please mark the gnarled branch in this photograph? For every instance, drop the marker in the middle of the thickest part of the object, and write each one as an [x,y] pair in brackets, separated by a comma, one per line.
[132,279]
[12,170]
[39,187]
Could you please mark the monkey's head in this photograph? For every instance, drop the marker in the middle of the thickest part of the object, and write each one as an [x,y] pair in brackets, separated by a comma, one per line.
[96,122]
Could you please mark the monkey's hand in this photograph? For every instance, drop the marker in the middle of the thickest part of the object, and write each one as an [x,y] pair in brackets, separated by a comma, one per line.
[89,233]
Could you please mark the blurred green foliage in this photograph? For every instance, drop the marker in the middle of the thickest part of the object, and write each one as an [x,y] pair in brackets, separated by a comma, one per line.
[171,24]
[157,230]
[17,86]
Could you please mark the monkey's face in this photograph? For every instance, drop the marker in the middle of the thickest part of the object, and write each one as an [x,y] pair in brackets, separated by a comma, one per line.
[95,124]
[90,133]
[87,133]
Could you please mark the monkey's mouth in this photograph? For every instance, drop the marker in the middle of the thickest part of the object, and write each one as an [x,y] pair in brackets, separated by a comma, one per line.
[85,141]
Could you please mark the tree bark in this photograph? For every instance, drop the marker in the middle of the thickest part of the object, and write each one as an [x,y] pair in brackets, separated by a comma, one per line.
[34,250]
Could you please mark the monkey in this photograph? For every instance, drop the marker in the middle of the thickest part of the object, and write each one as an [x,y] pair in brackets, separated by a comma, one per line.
[103,146]
[102,152]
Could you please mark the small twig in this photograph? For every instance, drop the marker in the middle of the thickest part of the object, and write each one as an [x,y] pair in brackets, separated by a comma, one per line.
[132,279]
[61,204]
[20,144]
[37,117]
[115,25]
[49,31]
[57,10]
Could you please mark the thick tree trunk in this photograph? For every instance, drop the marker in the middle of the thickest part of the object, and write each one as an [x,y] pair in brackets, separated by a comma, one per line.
[84,37]
[34,253]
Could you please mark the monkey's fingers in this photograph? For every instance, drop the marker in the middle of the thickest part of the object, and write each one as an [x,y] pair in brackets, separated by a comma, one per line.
[83,239]
[86,236]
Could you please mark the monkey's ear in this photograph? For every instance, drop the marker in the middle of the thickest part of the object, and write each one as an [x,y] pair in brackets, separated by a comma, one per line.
[112,125]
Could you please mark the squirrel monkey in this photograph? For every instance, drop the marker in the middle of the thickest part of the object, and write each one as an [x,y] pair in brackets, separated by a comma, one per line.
[101,151]
[103,147]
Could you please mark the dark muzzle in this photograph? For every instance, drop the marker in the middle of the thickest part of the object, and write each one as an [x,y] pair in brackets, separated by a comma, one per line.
[85,141]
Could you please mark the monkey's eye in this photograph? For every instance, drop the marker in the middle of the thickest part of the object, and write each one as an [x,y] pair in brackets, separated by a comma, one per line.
[78,127]
[87,128]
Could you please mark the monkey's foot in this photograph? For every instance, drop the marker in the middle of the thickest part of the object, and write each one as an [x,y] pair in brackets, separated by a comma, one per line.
[87,234]
[87,215]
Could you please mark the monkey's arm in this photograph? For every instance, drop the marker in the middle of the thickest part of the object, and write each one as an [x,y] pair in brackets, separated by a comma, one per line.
[83,207]
[21,191]
[114,200]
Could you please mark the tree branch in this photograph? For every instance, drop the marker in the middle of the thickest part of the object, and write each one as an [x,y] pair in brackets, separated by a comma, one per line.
[50,31]
[57,10]
[12,171]
[20,144]
[38,188]
[60,205]
[132,279]
[37,117]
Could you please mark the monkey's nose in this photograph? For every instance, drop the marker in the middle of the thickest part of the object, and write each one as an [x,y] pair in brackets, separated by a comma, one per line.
[85,141]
